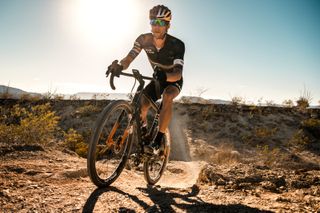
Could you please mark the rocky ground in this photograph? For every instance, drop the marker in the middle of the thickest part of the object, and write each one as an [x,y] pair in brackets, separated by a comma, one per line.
[38,180]
[215,166]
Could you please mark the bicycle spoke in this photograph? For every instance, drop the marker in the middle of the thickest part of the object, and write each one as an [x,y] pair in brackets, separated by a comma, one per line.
[112,143]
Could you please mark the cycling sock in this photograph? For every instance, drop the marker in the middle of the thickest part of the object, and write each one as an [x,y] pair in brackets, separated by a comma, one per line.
[158,138]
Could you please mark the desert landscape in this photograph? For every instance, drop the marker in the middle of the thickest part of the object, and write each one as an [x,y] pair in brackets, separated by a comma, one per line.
[224,158]
[242,77]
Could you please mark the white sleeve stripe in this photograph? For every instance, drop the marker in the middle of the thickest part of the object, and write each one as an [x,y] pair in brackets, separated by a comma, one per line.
[136,49]
[178,61]
[137,44]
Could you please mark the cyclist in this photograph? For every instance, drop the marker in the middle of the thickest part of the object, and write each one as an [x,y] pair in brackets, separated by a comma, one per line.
[165,54]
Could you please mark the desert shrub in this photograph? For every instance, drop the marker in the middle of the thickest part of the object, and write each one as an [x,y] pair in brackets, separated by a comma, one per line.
[75,142]
[304,99]
[299,138]
[94,97]
[185,100]
[28,126]
[270,103]
[87,110]
[58,97]
[237,100]
[247,138]
[269,155]
[225,155]
[312,125]
[302,103]
[202,152]
[5,95]
[29,97]
[48,95]
[288,103]
[265,132]
[311,122]
[74,97]
[207,113]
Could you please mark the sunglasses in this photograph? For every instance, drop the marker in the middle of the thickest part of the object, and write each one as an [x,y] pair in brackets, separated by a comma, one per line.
[158,22]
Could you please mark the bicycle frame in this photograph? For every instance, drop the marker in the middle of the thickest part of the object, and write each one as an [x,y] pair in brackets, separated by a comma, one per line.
[136,104]
[107,138]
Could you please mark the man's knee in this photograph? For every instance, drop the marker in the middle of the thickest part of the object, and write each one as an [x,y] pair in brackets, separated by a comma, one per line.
[170,93]
[145,103]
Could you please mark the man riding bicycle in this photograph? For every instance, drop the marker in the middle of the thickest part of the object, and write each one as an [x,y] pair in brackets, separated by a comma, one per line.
[165,54]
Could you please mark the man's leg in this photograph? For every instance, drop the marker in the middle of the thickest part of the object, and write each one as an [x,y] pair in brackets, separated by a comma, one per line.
[166,111]
[169,94]
[145,105]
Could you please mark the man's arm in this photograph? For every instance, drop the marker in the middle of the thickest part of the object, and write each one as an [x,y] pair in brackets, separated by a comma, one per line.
[176,73]
[126,61]
[134,52]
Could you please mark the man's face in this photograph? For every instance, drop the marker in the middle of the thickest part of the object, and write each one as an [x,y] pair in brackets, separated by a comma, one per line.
[158,30]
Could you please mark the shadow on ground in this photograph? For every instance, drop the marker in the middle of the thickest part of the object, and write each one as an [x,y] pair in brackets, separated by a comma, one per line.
[164,200]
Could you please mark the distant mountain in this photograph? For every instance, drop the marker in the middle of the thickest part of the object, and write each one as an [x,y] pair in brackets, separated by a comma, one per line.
[15,92]
[18,93]
[98,96]
[195,99]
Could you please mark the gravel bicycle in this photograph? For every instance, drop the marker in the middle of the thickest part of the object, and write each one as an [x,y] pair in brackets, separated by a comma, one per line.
[117,130]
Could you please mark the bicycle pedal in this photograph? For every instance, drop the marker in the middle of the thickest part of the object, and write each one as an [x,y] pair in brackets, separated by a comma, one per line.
[148,150]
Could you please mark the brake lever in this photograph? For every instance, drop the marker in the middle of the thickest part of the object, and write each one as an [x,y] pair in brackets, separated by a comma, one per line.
[108,73]
[111,82]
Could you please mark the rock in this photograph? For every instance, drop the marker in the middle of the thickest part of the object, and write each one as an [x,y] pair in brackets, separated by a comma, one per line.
[230,183]
[279,181]
[208,175]
[316,192]
[32,172]
[297,184]
[221,182]
[269,186]
[262,167]
[283,199]
[250,179]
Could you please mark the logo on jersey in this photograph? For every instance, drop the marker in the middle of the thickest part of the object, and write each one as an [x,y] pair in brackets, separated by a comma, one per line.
[150,51]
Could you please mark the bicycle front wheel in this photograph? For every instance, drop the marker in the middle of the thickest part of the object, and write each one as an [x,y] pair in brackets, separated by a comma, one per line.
[154,166]
[110,143]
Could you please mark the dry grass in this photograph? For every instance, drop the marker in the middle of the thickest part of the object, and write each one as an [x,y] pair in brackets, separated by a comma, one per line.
[264,132]
[225,154]
[88,110]
[270,156]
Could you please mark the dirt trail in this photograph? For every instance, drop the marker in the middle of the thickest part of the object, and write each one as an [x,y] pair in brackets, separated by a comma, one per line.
[53,181]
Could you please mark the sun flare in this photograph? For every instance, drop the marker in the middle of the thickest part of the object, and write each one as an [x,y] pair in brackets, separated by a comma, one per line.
[101,20]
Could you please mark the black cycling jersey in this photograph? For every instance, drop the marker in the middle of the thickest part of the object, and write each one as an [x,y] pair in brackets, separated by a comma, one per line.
[170,55]
[166,58]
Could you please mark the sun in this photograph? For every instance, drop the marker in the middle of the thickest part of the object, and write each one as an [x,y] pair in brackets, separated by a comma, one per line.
[101,20]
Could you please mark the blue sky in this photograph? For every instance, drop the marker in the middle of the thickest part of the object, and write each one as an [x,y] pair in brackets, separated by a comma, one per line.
[256,49]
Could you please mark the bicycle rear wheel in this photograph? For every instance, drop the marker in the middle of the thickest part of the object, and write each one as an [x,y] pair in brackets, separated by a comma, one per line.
[110,143]
[154,166]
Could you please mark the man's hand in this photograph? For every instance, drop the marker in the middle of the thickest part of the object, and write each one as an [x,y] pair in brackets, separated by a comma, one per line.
[114,68]
[160,75]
